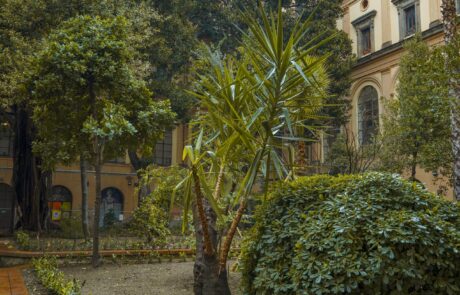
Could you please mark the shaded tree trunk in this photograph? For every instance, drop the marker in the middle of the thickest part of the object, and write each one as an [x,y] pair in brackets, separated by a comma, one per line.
[98,152]
[97,207]
[414,167]
[30,184]
[208,278]
[138,165]
[301,157]
[84,197]
[450,33]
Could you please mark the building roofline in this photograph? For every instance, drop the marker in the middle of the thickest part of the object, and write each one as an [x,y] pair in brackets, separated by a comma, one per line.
[435,29]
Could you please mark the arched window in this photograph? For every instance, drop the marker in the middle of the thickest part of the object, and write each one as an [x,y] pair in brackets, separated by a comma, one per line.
[111,207]
[368,114]
[6,208]
[60,203]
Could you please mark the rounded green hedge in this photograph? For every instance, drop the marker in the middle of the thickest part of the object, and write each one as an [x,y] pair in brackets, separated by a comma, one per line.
[361,234]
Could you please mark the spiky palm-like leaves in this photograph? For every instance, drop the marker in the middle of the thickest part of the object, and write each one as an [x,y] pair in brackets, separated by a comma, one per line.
[252,107]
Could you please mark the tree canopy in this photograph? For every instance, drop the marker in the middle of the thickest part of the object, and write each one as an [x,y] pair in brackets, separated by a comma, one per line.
[416,128]
[85,86]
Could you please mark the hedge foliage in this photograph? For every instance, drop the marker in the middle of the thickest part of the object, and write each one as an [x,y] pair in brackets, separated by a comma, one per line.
[361,234]
[53,279]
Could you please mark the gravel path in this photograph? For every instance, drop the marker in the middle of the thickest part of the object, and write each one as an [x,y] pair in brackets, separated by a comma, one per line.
[168,278]
[32,283]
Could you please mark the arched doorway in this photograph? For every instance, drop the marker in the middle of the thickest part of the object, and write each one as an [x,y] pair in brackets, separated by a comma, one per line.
[60,203]
[111,206]
[6,208]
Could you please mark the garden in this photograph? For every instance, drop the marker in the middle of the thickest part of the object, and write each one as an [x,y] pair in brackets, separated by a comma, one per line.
[260,85]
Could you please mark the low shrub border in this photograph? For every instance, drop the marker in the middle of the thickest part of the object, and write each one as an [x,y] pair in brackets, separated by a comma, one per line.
[53,279]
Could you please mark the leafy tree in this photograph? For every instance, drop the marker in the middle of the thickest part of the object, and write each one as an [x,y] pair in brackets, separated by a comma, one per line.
[452,64]
[87,97]
[253,105]
[24,24]
[416,128]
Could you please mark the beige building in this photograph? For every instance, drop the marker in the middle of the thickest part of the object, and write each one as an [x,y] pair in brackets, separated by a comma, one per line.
[119,181]
[378,29]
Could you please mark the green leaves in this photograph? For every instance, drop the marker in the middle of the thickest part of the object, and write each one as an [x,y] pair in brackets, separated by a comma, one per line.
[357,234]
[416,129]
[53,279]
[84,88]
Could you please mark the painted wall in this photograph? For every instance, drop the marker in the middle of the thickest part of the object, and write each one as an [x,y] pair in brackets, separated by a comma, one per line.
[386,21]
[381,69]
[117,175]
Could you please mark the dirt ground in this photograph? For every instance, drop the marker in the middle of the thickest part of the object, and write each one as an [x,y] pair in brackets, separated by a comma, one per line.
[167,278]
[32,283]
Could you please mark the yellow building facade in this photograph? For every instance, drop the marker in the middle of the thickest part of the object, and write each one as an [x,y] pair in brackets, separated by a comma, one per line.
[119,182]
[378,30]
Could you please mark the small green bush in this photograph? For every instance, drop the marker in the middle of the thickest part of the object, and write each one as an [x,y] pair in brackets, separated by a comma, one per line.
[360,234]
[53,279]
[22,239]
[71,227]
[150,221]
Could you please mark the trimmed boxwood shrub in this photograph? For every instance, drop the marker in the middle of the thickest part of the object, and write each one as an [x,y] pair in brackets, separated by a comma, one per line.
[360,234]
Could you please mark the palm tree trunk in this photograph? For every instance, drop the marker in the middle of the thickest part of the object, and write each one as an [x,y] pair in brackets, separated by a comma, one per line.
[450,34]
[208,279]
[230,236]
[84,198]
[208,247]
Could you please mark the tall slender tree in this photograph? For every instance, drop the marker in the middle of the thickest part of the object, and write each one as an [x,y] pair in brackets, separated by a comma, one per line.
[452,65]
[416,127]
[88,98]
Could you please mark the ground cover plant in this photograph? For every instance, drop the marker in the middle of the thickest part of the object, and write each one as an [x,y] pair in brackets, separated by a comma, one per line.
[358,234]
[53,279]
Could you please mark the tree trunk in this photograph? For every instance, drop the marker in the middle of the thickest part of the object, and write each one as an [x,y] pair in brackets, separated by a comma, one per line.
[84,198]
[97,207]
[29,183]
[207,278]
[97,150]
[199,256]
[300,161]
[231,235]
[450,31]
[138,165]
[414,167]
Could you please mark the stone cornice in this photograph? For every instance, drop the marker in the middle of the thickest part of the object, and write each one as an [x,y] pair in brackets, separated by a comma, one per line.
[396,46]
[363,18]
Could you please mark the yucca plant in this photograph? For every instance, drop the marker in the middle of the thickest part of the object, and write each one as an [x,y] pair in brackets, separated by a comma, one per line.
[254,105]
